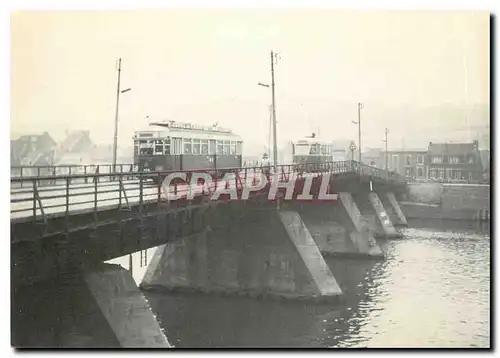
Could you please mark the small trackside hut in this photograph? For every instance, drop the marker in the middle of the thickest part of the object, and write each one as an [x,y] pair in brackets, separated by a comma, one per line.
[171,146]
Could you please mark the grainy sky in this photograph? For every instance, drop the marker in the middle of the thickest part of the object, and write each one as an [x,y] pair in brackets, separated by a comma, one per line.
[203,65]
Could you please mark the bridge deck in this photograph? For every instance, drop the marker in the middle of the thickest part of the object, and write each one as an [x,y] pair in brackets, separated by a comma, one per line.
[38,197]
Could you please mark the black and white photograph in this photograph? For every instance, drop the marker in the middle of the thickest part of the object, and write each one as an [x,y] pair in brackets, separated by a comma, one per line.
[238,178]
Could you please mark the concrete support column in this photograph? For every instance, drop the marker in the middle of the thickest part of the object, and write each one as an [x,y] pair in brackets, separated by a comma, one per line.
[359,233]
[124,307]
[394,210]
[384,221]
[339,229]
[266,253]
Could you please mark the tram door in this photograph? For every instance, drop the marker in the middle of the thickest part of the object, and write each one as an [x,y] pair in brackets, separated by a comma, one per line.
[177,153]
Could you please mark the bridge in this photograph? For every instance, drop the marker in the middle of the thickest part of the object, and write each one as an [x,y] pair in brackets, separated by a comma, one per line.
[208,236]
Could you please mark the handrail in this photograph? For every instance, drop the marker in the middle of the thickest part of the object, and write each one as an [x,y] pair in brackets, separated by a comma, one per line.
[69,195]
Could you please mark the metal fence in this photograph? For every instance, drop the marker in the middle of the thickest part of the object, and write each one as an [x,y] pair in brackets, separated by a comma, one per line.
[69,170]
[36,197]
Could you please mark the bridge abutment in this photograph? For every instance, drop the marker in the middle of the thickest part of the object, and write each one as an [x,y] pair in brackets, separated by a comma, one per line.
[98,307]
[266,253]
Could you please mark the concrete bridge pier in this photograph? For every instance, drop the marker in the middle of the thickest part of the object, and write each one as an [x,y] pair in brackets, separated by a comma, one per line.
[96,307]
[124,307]
[260,252]
[396,215]
[375,214]
[338,228]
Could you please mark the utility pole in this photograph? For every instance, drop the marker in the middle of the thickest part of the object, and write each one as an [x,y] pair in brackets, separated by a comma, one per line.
[360,105]
[275,144]
[270,130]
[386,156]
[115,139]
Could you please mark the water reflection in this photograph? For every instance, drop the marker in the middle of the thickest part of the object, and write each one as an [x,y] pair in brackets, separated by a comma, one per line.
[432,291]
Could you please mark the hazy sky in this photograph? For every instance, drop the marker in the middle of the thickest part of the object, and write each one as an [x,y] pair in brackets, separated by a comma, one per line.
[203,65]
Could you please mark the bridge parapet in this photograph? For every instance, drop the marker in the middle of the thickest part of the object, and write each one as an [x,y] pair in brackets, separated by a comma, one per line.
[25,172]
[38,199]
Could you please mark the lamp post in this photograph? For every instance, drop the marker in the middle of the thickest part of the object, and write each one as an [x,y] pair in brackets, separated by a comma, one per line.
[274,57]
[386,155]
[271,119]
[360,106]
[118,92]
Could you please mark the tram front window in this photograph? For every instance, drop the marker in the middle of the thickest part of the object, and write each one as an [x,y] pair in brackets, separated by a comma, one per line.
[146,147]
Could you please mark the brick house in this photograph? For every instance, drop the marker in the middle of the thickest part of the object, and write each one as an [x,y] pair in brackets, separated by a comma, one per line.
[455,161]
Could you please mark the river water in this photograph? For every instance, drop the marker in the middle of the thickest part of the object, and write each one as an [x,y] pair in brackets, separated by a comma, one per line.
[433,290]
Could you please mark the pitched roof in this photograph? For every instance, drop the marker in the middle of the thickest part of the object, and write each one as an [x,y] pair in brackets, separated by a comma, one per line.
[451,148]
[73,139]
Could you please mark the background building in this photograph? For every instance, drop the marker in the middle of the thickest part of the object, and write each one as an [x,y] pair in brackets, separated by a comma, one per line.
[373,157]
[33,150]
[410,163]
[455,161]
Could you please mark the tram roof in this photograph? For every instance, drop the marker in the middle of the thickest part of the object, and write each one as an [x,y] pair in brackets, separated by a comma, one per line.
[312,140]
[197,134]
[165,128]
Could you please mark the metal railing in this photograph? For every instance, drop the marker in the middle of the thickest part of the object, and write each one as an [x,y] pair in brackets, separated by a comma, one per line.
[70,170]
[37,197]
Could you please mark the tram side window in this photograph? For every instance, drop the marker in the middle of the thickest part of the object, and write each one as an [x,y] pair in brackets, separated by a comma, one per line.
[196,146]
[158,147]
[232,148]
[313,149]
[220,146]
[238,148]
[226,147]
[213,147]
[323,150]
[187,146]
[166,148]
[204,146]
[136,147]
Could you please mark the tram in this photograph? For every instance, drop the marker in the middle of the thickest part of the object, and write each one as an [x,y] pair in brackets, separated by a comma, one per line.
[171,146]
[311,150]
